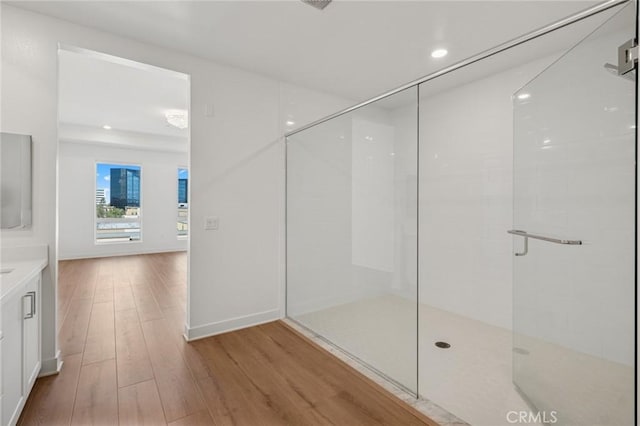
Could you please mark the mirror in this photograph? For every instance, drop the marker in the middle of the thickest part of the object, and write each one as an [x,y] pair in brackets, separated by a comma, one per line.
[15,181]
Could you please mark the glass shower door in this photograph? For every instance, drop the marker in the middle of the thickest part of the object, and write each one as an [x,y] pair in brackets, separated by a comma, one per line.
[352,233]
[574,235]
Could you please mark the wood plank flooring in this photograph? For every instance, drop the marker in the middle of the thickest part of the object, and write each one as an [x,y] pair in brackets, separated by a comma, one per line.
[126,362]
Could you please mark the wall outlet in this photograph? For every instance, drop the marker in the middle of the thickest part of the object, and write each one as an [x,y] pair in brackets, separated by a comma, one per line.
[211,222]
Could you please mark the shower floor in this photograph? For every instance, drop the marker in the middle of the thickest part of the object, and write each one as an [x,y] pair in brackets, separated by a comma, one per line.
[471,379]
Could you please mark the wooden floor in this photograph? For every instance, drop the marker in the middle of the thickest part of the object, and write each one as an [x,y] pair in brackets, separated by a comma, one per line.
[126,362]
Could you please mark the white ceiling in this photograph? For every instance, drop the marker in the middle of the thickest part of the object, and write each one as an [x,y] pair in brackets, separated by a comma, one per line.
[97,90]
[355,49]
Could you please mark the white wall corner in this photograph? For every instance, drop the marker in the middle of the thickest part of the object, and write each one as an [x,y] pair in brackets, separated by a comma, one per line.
[237,323]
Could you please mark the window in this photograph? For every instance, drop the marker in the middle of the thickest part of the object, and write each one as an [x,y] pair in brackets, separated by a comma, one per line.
[118,202]
[183,202]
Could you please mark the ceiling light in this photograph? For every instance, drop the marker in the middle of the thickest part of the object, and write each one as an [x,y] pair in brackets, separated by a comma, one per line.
[178,118]
[523,96]
[290,123]
[546,141]
[439,53]
[106,127]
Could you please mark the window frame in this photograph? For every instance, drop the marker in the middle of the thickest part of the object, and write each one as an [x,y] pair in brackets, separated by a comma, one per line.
[177,182]
[99,242]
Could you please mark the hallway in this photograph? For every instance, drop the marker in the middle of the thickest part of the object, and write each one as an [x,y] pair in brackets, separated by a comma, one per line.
[126,362]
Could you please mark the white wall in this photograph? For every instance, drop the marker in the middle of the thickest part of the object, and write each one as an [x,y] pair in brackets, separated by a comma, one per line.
[350,229]
[237,166]
[466,193]
[466,203]
[372,195]
[319,233]
[76,199]
[575,163]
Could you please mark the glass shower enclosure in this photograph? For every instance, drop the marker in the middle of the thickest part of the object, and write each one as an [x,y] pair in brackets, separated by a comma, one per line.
[574,224]
[370,241]
[352,234]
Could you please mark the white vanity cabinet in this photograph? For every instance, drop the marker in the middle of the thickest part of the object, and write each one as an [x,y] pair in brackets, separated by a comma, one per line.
[20,346]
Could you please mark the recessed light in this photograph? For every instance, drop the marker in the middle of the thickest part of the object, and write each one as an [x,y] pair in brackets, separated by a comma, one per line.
[523,96]
[106,127]
[290,123]
[546,141]
[439,53]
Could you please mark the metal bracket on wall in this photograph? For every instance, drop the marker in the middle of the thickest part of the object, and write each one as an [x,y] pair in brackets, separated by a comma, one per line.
[525,249]
[627,56]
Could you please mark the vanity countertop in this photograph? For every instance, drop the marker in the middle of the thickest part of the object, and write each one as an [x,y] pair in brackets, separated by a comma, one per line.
[17,268]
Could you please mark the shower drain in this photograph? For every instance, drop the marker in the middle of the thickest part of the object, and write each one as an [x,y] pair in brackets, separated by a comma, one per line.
[443,345]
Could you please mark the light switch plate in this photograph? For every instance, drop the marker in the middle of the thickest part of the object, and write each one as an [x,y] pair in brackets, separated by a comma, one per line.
[211,223]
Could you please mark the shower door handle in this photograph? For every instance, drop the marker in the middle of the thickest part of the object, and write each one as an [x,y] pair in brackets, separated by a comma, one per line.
[526,236]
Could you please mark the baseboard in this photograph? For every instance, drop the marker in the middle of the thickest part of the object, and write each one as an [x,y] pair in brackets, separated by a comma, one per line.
[51,366]
[123,253]
[211,329]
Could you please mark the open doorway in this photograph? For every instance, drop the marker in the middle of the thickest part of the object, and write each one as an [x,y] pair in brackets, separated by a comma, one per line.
[123,198]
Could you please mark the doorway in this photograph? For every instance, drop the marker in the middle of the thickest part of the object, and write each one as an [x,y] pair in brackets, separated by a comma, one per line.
[123,198]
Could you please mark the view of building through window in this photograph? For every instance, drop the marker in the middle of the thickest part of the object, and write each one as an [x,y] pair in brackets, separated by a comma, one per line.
[117,202]
[183,202]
